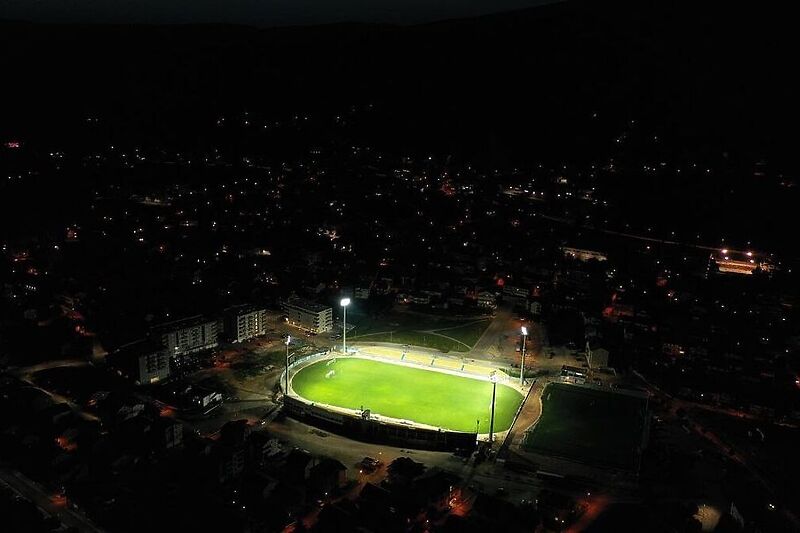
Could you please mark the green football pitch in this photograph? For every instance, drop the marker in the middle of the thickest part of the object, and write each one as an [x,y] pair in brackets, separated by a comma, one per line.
[591,426]
[443,400]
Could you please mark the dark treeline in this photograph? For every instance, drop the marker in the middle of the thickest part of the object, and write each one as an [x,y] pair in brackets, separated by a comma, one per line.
[516,86]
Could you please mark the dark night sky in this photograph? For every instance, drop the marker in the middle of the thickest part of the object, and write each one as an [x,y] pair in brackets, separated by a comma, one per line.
[253,12]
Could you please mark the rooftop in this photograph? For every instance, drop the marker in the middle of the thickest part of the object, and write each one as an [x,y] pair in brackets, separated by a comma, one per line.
[307,305]
[180,324]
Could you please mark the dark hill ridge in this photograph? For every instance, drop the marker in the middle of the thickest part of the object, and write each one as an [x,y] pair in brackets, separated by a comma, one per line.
[712,75]
[555,84]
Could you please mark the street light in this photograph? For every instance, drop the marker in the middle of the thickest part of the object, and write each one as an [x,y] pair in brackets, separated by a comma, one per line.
[286,387]
[344,303]
[522,365]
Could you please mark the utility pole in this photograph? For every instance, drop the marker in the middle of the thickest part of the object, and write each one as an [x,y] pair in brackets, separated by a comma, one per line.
[344,303]
[286,384]
[522,363]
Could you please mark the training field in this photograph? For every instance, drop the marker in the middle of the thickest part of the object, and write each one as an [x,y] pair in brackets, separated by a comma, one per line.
[437,332]
[592,426]
[424,396]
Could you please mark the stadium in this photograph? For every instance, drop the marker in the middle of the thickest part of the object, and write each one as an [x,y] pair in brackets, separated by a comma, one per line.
[395,389]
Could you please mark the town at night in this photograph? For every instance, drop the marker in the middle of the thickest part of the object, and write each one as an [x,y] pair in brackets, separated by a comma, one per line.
[450,267]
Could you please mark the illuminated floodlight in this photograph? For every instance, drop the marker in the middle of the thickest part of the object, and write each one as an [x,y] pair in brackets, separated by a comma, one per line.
[522,360]
[344,302]
[493,378]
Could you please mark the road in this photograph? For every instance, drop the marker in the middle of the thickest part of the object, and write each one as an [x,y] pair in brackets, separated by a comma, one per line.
[209,425]
[489,344]
[487,476]
[26,372]
[52,503]
[724,448]
[638,237]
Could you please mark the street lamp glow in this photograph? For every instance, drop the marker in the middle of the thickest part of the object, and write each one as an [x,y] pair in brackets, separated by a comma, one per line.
[344,302]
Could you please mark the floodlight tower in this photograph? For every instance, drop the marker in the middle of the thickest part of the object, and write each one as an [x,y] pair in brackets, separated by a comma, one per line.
[522,363]
[286,386]
[493,379]
[344,303]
